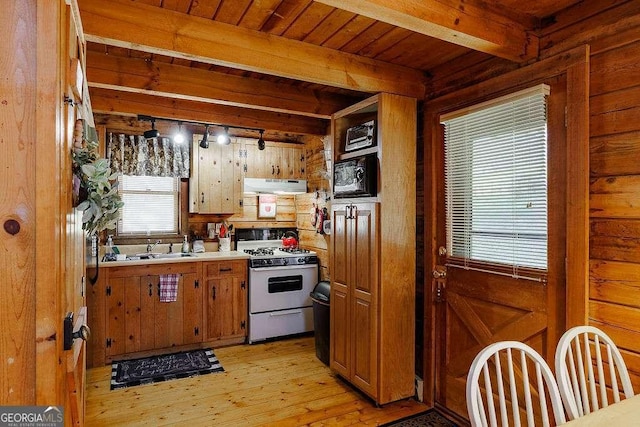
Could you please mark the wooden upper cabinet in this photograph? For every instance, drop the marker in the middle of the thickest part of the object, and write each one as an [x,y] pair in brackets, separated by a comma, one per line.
[277,160]
[216,183]
[216,175]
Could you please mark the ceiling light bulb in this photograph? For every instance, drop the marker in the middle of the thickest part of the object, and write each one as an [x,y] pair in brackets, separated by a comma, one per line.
[223,138]
[179,138]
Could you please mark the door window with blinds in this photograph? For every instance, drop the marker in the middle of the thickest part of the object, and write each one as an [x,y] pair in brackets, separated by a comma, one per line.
[496,183]
[151,205]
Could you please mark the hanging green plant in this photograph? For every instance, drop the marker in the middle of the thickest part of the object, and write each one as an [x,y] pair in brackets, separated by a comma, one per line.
[98,195]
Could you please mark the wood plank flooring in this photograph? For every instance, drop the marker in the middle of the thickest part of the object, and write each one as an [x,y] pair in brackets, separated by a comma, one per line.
[279,383]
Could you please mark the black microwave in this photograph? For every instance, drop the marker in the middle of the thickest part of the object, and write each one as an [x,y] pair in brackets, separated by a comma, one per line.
[355,177]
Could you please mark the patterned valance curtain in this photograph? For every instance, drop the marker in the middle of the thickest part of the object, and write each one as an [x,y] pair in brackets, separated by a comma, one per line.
[137,156]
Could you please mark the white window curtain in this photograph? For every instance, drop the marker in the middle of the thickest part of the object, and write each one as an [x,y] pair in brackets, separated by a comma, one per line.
[496,182]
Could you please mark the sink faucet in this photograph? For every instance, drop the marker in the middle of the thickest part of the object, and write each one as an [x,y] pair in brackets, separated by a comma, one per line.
[150,246]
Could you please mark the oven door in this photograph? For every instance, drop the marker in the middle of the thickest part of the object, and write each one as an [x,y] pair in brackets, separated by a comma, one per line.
[281,288]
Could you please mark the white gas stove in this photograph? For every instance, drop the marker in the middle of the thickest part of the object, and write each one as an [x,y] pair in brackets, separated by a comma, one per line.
[280,282]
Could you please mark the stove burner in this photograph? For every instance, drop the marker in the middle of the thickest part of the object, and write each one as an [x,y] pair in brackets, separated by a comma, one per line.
[295,250]
[259,251]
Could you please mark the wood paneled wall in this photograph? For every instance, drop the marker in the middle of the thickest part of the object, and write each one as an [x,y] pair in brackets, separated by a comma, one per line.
[611,30]
[318,185]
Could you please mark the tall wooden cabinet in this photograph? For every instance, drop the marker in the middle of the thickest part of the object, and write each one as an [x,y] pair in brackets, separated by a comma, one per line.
[373,256]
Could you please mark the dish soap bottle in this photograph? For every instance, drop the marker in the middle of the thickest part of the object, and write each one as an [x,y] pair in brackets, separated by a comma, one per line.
[185,245]
[109,248]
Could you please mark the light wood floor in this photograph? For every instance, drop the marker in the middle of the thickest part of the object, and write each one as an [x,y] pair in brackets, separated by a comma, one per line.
[279,383]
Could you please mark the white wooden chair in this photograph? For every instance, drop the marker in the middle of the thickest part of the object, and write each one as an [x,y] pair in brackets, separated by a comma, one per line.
[590,370]
[508,381]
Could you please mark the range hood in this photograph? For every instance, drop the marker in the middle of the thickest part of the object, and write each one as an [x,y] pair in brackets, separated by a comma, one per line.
[274,186]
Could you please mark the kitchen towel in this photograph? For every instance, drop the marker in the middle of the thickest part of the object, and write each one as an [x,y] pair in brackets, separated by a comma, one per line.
[169,287]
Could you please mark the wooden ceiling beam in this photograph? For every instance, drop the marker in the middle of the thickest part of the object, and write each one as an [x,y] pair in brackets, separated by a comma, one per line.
[109,101]
[156,30]
[174,81]
[460,23]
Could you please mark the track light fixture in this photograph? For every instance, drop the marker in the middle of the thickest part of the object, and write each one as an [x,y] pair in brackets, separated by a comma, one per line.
[153,132]
[204,143]
[224,138]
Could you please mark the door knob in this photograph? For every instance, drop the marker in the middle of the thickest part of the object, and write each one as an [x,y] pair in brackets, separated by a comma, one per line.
[83,333]
[439,274]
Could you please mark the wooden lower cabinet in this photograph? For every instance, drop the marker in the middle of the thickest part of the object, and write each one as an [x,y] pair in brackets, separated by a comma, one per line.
[128,319]
[226,300]
[138,321]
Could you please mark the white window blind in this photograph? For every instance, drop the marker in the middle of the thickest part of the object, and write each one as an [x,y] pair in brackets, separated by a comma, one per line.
[496,181]
[151,205]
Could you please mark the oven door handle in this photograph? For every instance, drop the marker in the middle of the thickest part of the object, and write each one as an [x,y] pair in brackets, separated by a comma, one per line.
[284,313]
[282,267]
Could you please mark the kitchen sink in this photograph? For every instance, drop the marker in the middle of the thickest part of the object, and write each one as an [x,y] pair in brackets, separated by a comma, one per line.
[158,256]
[174,255]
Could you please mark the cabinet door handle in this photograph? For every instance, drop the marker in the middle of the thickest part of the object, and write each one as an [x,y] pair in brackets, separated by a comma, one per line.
[213,292]
[150,289]
[273,170]
[278,170]
[202,197]
[226,269]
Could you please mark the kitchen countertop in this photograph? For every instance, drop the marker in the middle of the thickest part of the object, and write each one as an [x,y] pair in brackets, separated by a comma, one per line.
[195,257]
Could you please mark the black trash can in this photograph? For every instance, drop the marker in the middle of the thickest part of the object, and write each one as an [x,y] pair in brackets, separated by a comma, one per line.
[320,297]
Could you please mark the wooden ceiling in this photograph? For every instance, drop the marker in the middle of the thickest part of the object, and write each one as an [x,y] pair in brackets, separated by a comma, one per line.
[287,65]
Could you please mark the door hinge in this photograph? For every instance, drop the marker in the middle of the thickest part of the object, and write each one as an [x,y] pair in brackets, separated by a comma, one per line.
[196,331]
[196,284]
[108,342]
[108,290]
[242,285]
[244,167]
[243,324]
[241,202]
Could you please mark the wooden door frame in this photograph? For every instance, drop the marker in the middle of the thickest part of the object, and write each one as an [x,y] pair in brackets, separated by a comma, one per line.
[575,64]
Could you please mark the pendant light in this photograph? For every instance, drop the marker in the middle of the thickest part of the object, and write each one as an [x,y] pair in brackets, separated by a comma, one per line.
[261,143]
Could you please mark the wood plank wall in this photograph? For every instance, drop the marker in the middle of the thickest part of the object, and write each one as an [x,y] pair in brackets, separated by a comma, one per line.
[319,191]
[611,29]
